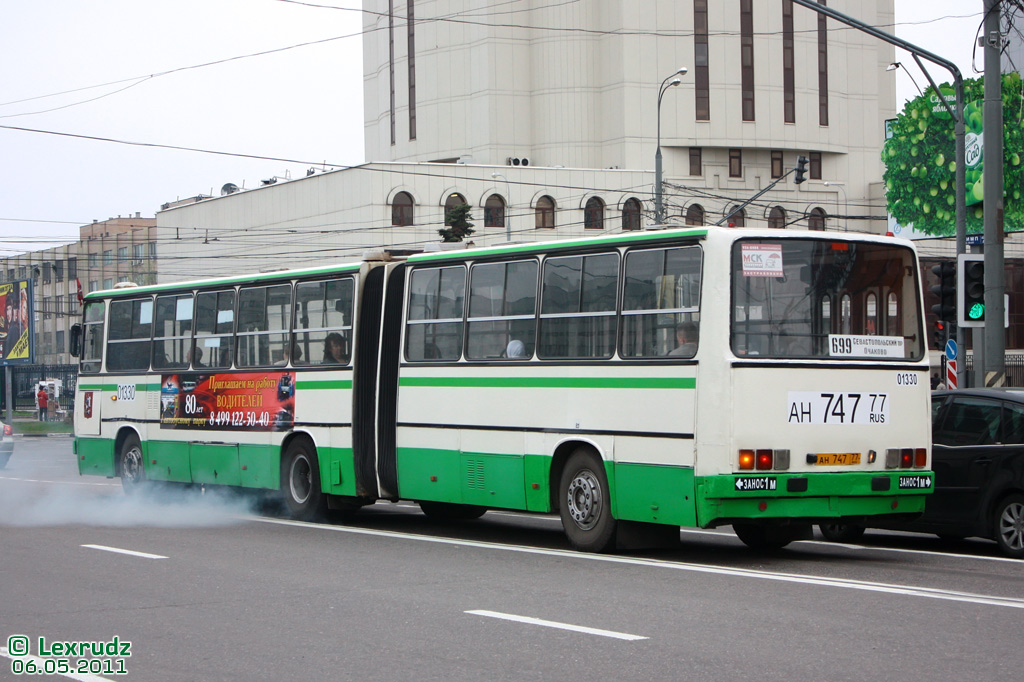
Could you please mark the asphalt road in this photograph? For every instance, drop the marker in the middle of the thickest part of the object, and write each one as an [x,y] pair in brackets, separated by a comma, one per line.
[212,590]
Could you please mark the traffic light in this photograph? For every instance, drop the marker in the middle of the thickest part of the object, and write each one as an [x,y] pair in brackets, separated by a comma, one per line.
[801,169]
[945,290]
[939,336]
[971,281]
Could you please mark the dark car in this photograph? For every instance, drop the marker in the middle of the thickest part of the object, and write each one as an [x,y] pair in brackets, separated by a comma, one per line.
[978,459]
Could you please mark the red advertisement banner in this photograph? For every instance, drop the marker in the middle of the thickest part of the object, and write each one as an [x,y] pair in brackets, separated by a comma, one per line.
[252,401]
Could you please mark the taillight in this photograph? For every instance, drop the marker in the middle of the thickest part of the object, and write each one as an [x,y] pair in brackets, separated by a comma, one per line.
[906,458]
[8,431]
[920,458]
[764,459]
[746,459]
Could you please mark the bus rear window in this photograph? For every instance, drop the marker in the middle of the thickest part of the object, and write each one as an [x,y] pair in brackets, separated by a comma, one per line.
[809,298]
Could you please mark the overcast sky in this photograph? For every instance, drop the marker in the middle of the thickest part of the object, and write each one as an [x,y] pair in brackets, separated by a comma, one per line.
[302,104]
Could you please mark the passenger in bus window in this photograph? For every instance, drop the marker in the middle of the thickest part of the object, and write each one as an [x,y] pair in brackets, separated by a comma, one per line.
[515,349]
[292,352]
[197,357]
[686,340]
[334,349]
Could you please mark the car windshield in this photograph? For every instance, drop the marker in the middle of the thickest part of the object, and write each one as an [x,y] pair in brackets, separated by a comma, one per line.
[814,298]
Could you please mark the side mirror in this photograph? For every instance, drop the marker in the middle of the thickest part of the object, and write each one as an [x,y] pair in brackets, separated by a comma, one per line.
[76,340]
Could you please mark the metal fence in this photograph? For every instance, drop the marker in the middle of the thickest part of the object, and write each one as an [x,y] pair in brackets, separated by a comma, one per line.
[1014,370]
[24,379]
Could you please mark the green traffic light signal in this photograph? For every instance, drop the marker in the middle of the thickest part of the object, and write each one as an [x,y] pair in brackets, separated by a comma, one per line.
[971,289]
[977,311]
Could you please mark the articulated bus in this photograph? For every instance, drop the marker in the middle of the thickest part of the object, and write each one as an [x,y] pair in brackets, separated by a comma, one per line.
[632,384]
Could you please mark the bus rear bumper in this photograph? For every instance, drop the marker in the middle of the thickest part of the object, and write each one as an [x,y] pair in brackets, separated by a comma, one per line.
[810,497]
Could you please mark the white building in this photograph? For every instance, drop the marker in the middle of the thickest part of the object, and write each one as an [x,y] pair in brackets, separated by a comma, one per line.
[549,113]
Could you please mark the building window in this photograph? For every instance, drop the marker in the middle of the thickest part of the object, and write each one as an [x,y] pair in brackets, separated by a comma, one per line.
[401,209]
[138,251]
[94,260]
[46,272]
[60,343]
[735,163]
[815,165]
[593,214]
[701,85]
[108,257]
[412,72]
[695,214]
[631,214]
[10,275]
[777,163]
[47,307]
[58,270]
[122,254]
[777,218]
[816,219]
[788,77]
[451,202]
[544,213]
[737,217]
[494,211]
[152,250]
[822,69]
[747,58]
[93,285]
[22,271]
[696,162]
[108,283]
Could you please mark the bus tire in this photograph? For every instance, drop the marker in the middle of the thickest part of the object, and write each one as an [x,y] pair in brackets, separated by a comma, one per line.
[446,511]
[585,504]
[131,465]
[765,538]
[1008,526]
[841,532]
[300,481]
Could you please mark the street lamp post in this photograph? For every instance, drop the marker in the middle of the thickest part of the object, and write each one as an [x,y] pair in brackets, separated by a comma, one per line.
[846,203]
[659,208]
[899,65]
[508,203]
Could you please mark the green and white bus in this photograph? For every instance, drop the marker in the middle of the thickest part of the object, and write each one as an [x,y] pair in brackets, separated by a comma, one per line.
[633,383]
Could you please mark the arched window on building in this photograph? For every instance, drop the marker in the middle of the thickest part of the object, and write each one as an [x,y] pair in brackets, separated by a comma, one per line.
[544,213]
[695,214]
[494,211]
[631,214]
[453,200]
[816,219]
[737,219]
[401,209]
[777,218]
[593,214]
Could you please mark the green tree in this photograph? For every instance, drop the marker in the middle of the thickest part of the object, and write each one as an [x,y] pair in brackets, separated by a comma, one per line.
[920,175]
[457,224]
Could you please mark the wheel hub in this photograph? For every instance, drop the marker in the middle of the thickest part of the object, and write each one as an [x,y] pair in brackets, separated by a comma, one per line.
[584,500]
[131,465]
[1011,526]
[300,480]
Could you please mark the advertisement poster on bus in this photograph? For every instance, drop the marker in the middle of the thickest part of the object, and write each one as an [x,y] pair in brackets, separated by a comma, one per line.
[16,322]
[253,401]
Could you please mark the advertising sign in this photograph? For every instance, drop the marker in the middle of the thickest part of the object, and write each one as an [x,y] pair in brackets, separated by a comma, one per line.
[251,401]
[16,314]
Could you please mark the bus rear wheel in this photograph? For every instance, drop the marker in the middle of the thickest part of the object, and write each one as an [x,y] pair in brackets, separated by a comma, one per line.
[300,481]
[131,466]
[585,505]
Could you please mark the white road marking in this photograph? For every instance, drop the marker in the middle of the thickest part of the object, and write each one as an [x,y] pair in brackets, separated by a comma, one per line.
[124,551]
[553,624]
[842,583]
[41,662]
[39,480]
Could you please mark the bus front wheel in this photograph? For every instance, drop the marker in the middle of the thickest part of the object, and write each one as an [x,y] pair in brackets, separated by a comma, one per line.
[585,505]
[130,465]
[300,481]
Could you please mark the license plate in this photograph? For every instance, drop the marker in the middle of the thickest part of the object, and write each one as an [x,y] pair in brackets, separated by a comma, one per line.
[838,458]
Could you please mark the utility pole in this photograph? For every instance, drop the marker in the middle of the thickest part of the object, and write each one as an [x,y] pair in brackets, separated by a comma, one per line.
[995,277]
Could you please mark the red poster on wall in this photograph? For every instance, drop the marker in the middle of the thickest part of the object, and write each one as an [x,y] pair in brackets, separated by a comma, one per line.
[252,401]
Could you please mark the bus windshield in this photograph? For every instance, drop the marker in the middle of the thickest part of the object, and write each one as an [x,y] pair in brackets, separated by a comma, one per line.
[812,298]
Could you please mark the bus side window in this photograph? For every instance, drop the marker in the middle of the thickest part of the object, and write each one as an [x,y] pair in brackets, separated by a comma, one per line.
[434,328]
[128,341]
[214,324]
[323,321]
[577,317]
[661,303]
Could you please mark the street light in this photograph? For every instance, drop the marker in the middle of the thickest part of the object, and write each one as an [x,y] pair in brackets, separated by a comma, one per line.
[659,209]
[897,65]
[846,203]
[508,203]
